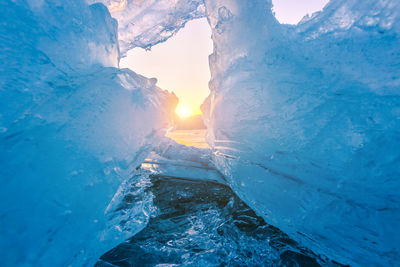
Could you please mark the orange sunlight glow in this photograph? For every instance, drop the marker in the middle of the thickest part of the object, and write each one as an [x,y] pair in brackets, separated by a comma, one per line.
[179,64]
[184,111]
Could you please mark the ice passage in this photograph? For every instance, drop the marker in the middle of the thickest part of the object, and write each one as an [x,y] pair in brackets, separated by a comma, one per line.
[303,122]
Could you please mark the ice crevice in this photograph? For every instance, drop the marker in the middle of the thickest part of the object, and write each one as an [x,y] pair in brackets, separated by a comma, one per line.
[303,123]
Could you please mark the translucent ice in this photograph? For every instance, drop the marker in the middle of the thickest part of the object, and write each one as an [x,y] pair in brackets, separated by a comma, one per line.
[72,128]
[146,23]
[304,121]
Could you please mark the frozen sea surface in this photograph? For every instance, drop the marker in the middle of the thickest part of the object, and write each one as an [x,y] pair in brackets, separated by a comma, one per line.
[195,138]
[203,223]
[186,215]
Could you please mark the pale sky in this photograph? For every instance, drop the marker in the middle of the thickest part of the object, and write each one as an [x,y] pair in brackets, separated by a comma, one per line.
[181,63]
[292,11]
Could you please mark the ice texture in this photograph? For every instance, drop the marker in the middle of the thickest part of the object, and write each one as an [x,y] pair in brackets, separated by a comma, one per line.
[72,127]
[303,121]
[201,223]
[147,23]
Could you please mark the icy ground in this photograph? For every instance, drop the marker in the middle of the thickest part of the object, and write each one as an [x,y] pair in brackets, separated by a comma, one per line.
[195,221]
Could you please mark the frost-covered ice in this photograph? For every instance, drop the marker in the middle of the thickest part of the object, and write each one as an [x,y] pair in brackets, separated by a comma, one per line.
[303,121]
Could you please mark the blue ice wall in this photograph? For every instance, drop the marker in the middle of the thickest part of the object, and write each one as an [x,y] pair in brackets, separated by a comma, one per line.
[305,122]
[72,127]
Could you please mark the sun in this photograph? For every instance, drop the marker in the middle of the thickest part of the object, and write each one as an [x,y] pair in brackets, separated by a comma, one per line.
[183,111]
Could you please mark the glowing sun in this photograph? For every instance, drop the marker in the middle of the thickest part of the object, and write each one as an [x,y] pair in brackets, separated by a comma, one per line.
[183,111]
